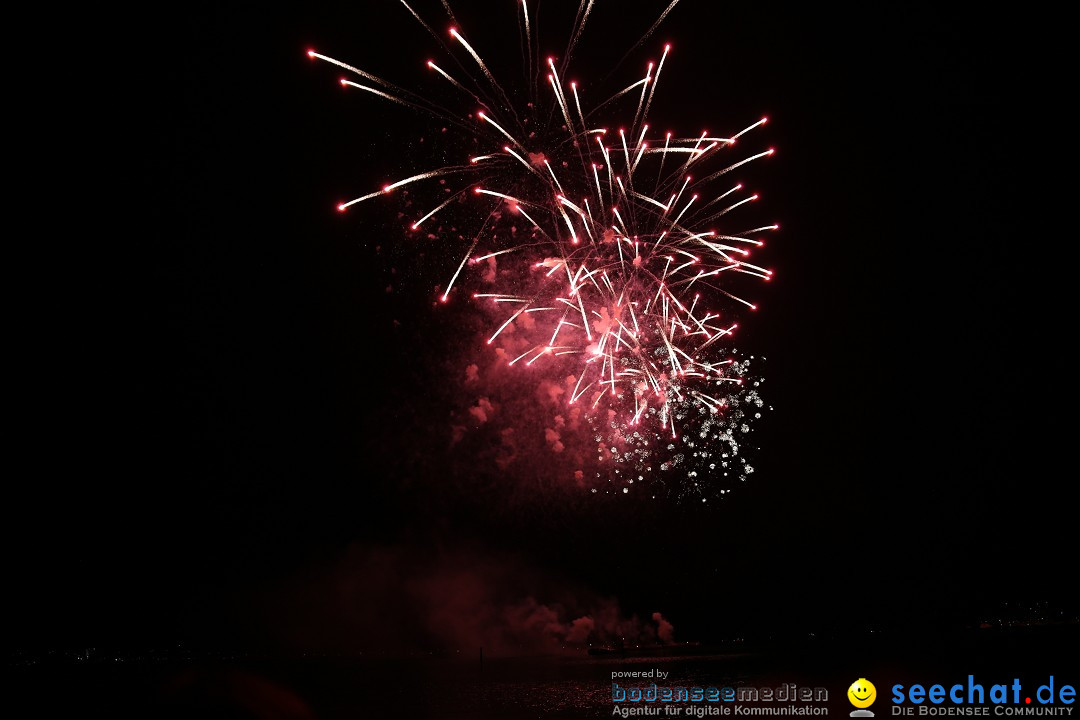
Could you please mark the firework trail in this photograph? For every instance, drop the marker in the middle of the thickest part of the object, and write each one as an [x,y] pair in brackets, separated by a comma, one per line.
[628,252]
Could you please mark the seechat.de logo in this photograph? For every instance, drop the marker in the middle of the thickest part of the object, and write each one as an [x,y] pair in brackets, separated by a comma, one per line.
[862,694]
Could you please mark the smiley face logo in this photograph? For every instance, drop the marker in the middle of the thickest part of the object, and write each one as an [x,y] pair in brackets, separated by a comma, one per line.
[862,693]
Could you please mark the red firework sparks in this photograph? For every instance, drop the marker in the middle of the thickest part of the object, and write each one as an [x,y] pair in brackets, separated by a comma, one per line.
[630,256]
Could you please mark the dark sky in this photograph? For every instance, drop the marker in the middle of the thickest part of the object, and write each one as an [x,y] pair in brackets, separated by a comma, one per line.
[214,401]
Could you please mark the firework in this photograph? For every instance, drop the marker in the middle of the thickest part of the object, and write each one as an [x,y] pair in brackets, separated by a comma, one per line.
[627,240]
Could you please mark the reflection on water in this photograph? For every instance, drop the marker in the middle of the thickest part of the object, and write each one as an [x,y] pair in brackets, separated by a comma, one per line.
[500,689]
[433,688]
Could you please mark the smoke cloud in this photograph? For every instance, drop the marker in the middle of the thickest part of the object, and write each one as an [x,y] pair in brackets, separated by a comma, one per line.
[403,599]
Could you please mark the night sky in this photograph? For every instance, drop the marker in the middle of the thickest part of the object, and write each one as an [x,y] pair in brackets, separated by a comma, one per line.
[219,407]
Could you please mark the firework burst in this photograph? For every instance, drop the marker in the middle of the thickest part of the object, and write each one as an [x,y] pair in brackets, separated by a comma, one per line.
[625,246]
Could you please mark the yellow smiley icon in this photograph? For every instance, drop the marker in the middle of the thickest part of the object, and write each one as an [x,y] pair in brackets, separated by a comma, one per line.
[862,693]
